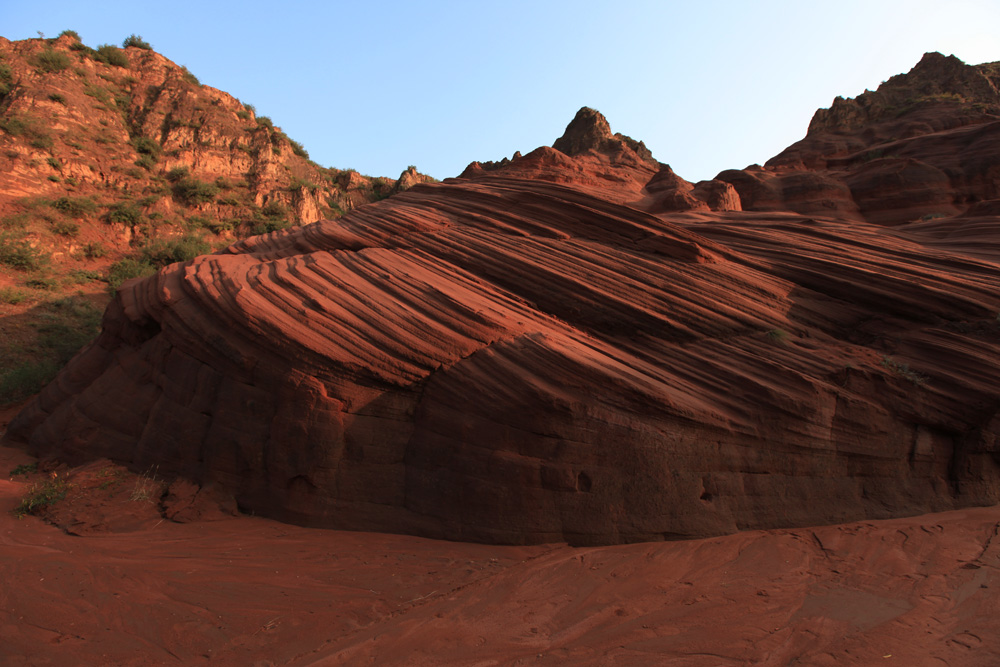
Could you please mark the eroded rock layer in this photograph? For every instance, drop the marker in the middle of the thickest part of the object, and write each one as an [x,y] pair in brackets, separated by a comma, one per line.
[581,347]
[517,361]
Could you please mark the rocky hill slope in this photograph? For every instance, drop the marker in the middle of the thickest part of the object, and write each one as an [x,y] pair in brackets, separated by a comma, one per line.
[577,344]
[114,161]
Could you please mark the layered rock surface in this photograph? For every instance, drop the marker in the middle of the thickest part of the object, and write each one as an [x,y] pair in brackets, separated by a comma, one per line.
[575,344]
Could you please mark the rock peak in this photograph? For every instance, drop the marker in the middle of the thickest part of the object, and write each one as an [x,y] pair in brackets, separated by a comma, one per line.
[590,131]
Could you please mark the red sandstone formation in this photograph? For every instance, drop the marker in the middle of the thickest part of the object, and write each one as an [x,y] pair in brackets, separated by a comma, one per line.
[577,344]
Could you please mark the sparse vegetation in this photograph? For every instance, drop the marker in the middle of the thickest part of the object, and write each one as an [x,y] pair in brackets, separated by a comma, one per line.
[189,77]
[57,98]
[64,325]
[146,146]
[76,207]
[24,469]
[111,55]
[6,79]
[777,336]
[298,149]
[177,173]
[146,487]
[16,252]
[903,370]
[136,41]
[147,162]
[65,228]
[50,61]
[71,33]
[17,126]
[12,295]
[126,269]
[191,191]
[94,251]
[40,496]
[125,213]
[161,252]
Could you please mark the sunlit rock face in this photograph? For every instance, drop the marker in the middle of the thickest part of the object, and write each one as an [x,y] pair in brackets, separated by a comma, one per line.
[575,345]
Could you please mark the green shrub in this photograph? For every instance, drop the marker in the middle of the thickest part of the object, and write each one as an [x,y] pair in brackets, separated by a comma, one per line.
[76,207]
[27,128]
[274,209]
[297,184]
[243,114]
[125,213]
[137,42]
[126,269]
[54,162]
[94,250]
[6,79]
[12,295]
[177,173]
[41,140]
[71,33]
[161,252]
[24,469]
[112,55]
[50,61]
[147,162]
[192,192]
[146,146]
[65,228]
[42,495]
[14,126]
[53,178]
[17,253]
[56,97]
[265,122]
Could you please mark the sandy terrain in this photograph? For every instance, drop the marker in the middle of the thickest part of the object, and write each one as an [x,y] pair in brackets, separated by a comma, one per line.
[250,591]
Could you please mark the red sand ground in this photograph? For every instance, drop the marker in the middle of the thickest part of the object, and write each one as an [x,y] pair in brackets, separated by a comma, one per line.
[249,591]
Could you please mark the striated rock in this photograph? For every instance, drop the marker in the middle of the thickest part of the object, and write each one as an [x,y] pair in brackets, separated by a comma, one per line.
[579,345]
[516,361]
[719,195]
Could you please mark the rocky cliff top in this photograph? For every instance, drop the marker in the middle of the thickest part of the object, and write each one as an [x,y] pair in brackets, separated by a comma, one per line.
[935,79]
[590,131]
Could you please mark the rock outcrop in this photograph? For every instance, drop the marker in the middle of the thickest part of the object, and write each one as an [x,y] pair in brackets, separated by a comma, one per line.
[575,344]
[926,143]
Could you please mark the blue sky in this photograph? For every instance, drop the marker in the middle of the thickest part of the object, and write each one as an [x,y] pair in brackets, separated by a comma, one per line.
[379,86]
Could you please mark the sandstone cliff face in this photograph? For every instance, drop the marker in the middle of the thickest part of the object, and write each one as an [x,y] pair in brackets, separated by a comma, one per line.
[577,347]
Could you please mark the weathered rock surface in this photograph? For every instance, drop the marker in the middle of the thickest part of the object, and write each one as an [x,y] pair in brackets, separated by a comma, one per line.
[579,347]
[926,143]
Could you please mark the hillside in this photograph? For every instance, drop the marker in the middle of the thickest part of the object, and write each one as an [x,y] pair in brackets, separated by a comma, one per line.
[116,161]
[579,345]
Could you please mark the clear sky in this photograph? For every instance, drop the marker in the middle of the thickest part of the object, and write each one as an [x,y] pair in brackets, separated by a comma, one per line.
[377,86]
